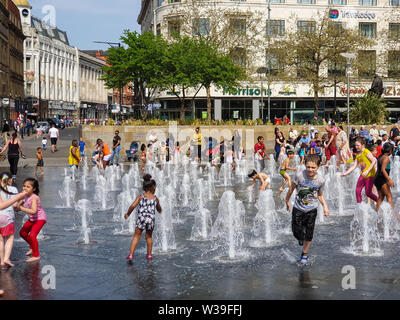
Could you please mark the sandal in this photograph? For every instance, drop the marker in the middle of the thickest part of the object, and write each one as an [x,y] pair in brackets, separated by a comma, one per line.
[149,257]
[129,257]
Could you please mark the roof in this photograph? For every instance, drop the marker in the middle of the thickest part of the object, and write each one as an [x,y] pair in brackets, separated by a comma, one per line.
[22,3]
[49,31]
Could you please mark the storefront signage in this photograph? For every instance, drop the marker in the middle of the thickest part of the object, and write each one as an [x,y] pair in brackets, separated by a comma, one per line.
[357,15]
[287,91]
[6,101]
[244,92]
[235,114]
[204,114]
[387,91]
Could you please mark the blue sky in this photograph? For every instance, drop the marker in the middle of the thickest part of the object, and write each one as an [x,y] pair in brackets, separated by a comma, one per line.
[89,20]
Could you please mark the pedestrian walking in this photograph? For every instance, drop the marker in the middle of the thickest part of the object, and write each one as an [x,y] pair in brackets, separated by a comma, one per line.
[14,147]
[54,135]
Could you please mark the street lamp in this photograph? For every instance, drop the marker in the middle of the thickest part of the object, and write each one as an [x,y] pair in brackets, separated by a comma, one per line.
[349,57]
[113,45]
[261,71]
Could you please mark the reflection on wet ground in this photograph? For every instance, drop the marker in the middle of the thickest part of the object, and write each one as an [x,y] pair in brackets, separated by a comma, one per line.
[191,271]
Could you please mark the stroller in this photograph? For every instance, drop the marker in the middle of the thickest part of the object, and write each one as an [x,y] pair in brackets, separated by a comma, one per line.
[132,154]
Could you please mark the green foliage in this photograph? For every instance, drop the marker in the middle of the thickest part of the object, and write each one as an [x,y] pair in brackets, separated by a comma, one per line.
[369,109]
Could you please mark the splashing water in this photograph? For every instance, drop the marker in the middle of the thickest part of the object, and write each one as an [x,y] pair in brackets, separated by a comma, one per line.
[83,208]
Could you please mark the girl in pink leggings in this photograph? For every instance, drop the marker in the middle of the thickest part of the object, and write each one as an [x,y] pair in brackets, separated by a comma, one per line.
[37,217]
[367,163]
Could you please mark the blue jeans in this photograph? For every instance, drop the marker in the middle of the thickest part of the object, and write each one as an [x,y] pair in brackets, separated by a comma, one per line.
[115,152]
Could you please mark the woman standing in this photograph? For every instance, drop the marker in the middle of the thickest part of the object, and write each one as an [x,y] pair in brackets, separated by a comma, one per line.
[14,147]
[237,145]
[382,182]
[279,144]
[367,163]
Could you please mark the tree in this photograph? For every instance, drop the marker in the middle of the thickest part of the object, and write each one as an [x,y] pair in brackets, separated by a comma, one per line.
[369,109]
[140,63]
[314,47]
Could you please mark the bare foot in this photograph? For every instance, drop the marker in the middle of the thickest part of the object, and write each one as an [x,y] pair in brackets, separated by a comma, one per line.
[33,259]
[28,253]
[8,262]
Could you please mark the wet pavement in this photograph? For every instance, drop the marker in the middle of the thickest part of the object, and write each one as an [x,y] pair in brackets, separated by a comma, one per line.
[194,270]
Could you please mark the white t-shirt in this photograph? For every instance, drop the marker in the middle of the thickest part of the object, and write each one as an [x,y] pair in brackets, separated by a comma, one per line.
[53,133]
[7,215]
[44,141]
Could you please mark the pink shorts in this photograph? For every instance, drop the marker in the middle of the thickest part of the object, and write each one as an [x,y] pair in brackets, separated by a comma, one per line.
[8,231]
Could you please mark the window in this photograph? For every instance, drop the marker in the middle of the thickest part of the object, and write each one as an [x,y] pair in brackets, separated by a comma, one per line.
[367,63]
[239,0]
[394,3]
[306,26]
[337,68]
[394,64]
[28,63]
[306,1]
[368,29]
[238,56]
[201,27]
[277,28]
[341,2]
[159,3]
[173,27]
[276,63]
[173,1]
[394,30]
[367,2]
[238,26]
[277,1]
[158,30]
[304,64]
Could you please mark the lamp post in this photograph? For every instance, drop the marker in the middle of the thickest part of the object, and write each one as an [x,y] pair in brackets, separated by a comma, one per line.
[261,71]
[42,115]
[349,57]
[113,45]
[269,60]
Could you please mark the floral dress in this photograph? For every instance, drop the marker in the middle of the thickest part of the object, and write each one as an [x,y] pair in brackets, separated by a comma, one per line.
[146,214]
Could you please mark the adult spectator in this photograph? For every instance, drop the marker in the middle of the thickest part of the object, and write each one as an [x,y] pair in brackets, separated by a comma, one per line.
[293,134]
[237,145]
[385,139]
[153,149]
[279,145]
[116,148]
[330,149]
[312,133]
[28,127]
[364,133]
[382,131]
[54,134]
[374,133]
[5,130]
[395,133]
[197,143]
[304,139]
[14,147]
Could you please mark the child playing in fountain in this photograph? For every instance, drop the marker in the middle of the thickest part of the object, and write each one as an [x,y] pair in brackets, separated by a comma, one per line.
[302,152]
[44,143]
[10,193]
[143,157]
[32,206]
[39,157]
[148,203]
[285,166]
[262,177]
[74,155]
[309,185]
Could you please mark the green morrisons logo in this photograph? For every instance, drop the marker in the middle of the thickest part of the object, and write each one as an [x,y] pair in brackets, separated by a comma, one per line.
[244,92]
[286,91]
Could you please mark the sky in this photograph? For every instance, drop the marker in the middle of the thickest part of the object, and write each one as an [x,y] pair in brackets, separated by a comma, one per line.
[86,21]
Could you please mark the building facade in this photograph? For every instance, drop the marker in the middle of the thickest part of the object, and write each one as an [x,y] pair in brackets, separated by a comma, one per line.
[294,99]
[4,61]
[51,69]
[93,95]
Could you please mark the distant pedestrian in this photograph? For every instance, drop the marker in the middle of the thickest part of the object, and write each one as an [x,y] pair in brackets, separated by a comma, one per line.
[14,147]
[116,148]
[74,155]
[54,135]
[5,130]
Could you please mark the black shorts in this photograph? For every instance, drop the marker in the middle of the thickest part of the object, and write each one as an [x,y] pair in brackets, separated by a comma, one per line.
[40,163]
[303,224]
[53,141]
[199,151]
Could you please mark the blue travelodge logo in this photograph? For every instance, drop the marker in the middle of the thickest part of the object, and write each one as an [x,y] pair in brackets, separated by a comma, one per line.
[333,14]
